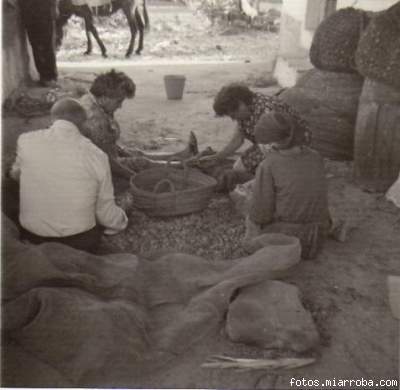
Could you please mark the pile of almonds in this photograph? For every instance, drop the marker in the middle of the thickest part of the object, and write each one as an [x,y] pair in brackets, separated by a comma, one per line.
[214,233]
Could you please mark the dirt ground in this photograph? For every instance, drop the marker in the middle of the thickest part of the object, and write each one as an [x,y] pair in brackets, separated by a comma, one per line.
[176,33]
[344,288]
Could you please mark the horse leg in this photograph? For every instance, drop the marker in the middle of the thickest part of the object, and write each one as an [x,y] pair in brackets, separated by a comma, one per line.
[141,31]
[133,28]
[90,28]
[99,41]
[143,22]
[89,41]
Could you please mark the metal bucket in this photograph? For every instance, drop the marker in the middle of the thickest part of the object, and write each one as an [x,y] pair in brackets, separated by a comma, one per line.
[174,86]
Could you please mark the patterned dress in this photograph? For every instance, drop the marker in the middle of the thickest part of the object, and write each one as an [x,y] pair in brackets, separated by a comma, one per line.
[100,127]
[104,131]
[260,105]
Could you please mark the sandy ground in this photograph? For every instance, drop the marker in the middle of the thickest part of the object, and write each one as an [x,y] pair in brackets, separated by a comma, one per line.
[345,287]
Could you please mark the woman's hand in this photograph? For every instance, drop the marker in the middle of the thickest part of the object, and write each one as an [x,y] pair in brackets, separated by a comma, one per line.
[209,161]
[227,181]
[124,201]
[138,164]
[118,168]
[203,162]
[233,145]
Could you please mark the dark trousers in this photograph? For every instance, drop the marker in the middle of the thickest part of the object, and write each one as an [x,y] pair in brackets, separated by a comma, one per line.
[10,199]
[38,18]
[88,241]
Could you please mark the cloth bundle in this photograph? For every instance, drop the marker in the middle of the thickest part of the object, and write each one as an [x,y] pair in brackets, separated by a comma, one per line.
[72,319]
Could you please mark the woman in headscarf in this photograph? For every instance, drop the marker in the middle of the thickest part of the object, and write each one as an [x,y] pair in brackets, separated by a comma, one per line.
[246,108]
[106,95]
[290,190]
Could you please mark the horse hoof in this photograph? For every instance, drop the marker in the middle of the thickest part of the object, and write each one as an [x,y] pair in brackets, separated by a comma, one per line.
[137,52]
[104,55]
[128,55]
[86,53]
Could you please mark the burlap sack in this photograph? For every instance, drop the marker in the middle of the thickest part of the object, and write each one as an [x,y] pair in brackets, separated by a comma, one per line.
[336,38]
[270,315]
[328,101]
[378,52]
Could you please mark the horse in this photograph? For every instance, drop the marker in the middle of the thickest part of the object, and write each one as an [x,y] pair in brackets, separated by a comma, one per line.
[134,10]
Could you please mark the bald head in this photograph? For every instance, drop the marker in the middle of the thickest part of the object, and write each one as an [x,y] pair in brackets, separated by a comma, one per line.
[70,110]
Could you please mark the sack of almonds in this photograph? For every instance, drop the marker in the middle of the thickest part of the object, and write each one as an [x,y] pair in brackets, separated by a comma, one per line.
[336,38]
[378,53]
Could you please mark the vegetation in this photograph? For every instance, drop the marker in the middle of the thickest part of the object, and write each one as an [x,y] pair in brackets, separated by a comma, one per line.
[229,12]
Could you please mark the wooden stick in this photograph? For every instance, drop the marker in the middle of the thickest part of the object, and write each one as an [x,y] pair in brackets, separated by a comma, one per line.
[257,364]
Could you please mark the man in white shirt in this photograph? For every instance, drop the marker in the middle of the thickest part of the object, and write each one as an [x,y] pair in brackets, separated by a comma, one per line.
[66,192]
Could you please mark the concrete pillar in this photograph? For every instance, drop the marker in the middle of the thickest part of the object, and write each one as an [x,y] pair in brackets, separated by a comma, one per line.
[16,68]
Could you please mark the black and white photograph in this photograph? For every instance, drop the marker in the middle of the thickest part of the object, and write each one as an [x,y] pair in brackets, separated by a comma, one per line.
[200,194]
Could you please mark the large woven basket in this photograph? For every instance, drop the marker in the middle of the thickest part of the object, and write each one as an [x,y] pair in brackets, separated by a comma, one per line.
[335,41]
[328,101]
[167,191]
[378,52]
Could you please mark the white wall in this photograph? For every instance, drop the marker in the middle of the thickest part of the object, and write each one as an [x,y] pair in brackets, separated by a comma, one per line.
[295,8]
[15,58]
[306,38]
[368,5]
[292,20]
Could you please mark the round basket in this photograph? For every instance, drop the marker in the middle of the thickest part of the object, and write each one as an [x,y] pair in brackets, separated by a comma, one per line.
[166,192]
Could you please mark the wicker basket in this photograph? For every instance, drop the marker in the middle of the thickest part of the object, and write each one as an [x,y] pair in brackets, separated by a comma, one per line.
[167,192]
[378,52]
[335,41]
[328,101]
